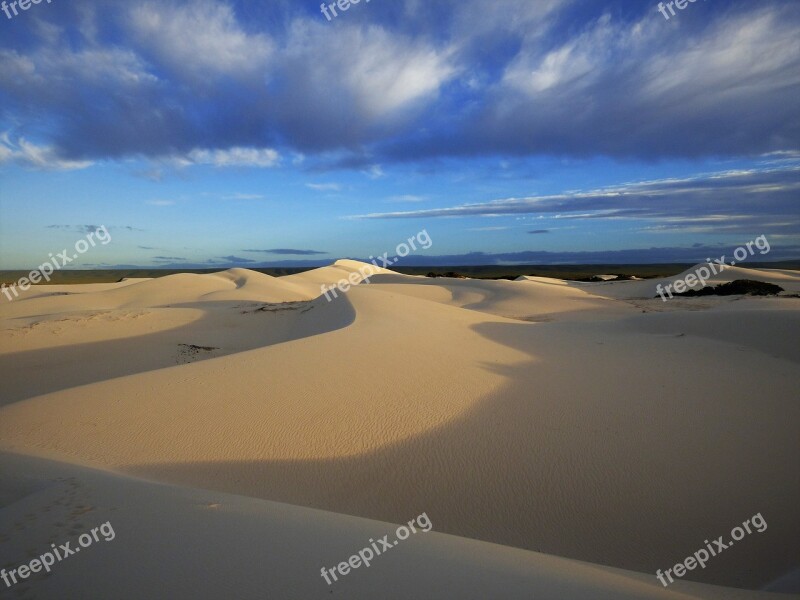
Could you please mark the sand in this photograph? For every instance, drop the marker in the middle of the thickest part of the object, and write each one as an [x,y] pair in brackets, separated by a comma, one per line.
[537,422]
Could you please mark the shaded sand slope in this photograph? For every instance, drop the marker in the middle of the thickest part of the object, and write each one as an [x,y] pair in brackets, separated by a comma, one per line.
[766,325]
[57,342]
[177,543]
[620,445]
[335,394]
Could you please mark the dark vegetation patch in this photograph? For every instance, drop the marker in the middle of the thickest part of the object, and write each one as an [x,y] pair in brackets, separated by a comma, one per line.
[738,287]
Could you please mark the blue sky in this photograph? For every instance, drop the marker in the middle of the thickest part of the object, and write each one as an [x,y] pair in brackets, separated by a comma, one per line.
[254,133]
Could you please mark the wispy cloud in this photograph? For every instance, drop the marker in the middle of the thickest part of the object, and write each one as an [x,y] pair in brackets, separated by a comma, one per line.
[407,198]
[28,154]
[374,172]
[231,157]
[324,187]
[199,41]
[665,254]
[237,259]
[287,251]
[733,200]
[243,197]
[92,228]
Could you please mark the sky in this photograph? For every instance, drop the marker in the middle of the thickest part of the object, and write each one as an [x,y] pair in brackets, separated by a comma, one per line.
[258,133]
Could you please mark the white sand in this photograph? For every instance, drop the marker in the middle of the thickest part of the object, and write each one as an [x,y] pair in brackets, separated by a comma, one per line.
[587,421]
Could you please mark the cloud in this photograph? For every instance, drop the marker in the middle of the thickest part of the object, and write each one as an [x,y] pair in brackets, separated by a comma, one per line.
[635,88]
[236,259]
[374,172]
[243,197]
[91,228]
[160,202]
[28,154]
[160,258]
[98,102]
[198,39]
[666,254]
[728,201]
[407,198]
[539,231]
[288,251]
[220,83]
[376,79]
[232,157]
[387,72]
[324,187]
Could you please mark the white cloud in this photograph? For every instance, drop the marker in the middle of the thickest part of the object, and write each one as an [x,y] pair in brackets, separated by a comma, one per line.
[374,172]
[232,157]
[39,157]
[199,38]
[473,18]
[744,56]
[51,69]
[324,187]
[379,71]
[407,198]
[243,197]
[749,198]
[389,72]
[583,57]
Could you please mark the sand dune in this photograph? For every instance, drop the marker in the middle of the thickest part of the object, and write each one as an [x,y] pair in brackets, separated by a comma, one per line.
[542,415]
[648,288]
[554,300]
